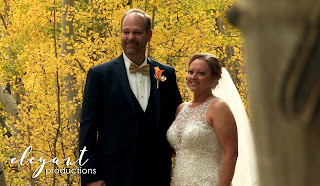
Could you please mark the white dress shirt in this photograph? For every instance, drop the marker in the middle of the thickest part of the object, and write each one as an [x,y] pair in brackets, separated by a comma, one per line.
[139,83]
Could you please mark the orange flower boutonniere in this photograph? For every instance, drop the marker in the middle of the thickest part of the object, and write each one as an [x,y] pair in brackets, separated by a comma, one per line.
[158,75]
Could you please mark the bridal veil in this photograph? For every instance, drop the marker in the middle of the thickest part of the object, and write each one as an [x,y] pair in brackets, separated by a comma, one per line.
[246,168]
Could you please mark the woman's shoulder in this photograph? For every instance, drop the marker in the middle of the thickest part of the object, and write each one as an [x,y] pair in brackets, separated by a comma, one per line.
[183,104]
[219,109]
[180,107]
[218,104]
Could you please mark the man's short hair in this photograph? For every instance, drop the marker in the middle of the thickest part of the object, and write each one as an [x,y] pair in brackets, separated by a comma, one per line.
[147,18]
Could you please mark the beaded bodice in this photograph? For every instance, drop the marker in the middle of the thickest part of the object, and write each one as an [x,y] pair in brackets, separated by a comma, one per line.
[198,152]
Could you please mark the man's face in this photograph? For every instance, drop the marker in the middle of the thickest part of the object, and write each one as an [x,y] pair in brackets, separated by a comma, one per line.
[134,37]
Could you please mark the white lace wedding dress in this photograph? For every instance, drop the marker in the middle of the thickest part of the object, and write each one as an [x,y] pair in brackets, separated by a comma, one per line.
[198,152]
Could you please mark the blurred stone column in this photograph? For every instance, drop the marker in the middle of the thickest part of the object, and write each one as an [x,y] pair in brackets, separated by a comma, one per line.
[282,48]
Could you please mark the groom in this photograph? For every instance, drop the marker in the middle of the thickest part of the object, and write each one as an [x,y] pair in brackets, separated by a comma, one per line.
[126,113]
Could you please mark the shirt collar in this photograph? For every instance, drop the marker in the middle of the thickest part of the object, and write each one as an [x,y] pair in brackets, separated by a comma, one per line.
[127,61]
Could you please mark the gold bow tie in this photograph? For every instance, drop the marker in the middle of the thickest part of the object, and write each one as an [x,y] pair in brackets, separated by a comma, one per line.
[144,69]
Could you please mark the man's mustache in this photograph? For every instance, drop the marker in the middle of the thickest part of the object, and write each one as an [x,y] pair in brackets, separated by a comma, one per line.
[134,43]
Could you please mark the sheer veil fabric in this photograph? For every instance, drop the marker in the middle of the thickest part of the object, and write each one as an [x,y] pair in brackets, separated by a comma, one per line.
[246,168]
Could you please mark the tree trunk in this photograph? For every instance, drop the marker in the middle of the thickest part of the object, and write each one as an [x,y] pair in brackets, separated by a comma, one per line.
[67,36]
[67,40]
[2,177]
[6,99]
[282,40]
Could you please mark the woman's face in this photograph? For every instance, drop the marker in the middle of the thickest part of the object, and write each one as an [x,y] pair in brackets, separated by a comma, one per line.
[199,78]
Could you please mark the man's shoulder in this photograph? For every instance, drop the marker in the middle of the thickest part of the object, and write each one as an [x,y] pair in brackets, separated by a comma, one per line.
[161,65]
[106,65]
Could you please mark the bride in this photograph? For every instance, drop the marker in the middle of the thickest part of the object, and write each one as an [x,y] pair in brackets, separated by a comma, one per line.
[204,134]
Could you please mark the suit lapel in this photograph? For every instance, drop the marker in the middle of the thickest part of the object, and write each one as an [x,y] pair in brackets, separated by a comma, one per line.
[121,73]
[156,92]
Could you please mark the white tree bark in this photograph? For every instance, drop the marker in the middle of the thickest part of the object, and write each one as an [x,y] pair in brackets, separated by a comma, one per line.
[67,35]
[282,41]
[7,100]
[67,38]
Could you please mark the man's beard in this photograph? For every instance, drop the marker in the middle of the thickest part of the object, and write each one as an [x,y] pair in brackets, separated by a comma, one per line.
[131,51]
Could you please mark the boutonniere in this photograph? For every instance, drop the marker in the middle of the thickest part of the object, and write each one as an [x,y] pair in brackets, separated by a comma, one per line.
[158,76]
